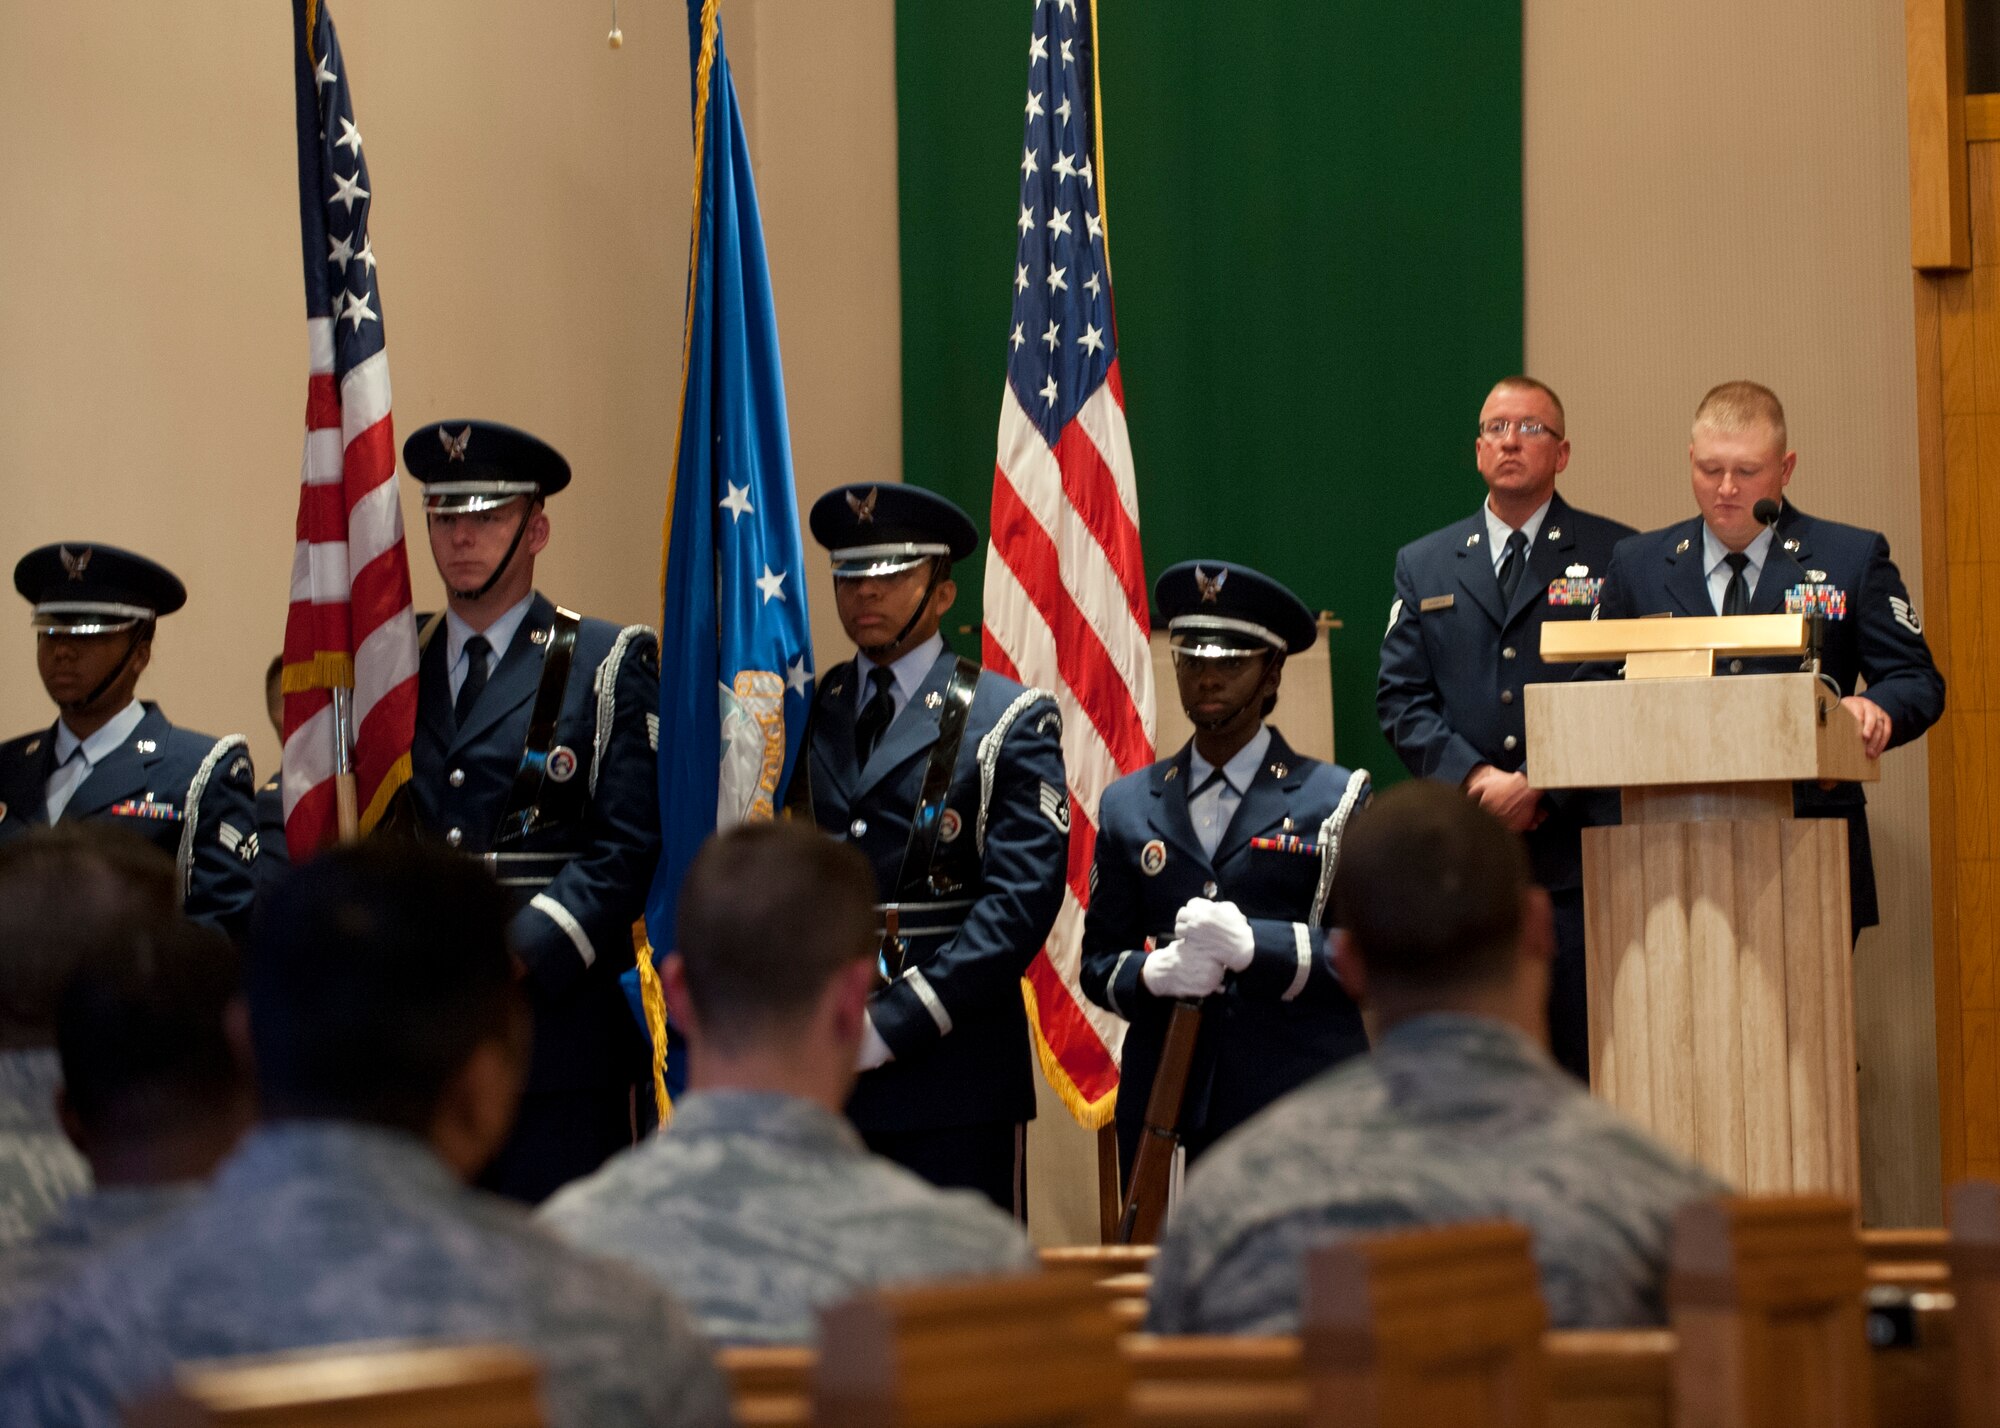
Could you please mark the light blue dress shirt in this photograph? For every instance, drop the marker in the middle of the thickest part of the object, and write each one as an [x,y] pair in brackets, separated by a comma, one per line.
[910,671]
[1498,530]
[71,771]
[1712,552]
[1212,807]
[500,634]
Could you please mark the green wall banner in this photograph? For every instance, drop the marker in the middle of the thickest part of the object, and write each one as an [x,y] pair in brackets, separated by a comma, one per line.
[1314,217]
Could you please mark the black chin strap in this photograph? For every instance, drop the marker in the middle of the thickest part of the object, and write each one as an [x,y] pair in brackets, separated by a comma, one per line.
[117,673]
[876,652]
[1209,726]
[506,560]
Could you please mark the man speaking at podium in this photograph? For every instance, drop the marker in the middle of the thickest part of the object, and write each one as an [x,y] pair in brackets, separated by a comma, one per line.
[1751,552]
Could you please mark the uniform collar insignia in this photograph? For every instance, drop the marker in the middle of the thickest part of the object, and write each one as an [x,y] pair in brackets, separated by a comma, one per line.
[1472,539]
[74,565]
[1172,774]
[1681,549]
[454,446]
[1555,532]
[863,506]
[1210,586]
[1792,544]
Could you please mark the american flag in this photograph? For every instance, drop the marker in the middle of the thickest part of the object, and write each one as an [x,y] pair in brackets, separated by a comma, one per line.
[1065,589]
[350,625]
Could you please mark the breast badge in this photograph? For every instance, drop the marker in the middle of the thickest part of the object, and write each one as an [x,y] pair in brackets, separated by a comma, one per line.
[949,826]
[1152,858]
[562,763]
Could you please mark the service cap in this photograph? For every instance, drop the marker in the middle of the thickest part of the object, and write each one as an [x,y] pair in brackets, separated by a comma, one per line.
[881,529]
[1216,608]
[82,589]
[481,465]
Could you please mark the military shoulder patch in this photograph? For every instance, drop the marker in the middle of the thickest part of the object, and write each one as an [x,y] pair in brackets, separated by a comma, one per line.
[1395,614]
[1906,614]
[1055,806]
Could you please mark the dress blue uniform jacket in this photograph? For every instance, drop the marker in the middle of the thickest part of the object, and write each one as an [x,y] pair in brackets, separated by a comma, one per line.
[578,900]
[1451,693]
[1278,1022]
[1881,640]
[955,1020]
[204,784]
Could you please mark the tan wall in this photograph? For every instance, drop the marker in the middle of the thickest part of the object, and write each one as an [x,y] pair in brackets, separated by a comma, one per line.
[531,216]
[1717,190]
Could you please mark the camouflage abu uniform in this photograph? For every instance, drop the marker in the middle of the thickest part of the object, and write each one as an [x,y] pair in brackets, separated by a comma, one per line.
[318,1233]
[755,1209]
[39,1169]
[1450,1118]
[81,1230]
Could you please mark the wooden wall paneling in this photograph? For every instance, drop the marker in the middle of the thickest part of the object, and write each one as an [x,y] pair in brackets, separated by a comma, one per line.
[1933,32]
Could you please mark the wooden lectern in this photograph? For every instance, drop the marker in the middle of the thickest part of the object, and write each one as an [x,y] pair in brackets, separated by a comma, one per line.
[1717,942]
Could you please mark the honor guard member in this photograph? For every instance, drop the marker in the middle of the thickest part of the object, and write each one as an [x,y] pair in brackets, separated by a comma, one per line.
[534,752]
[110,755]
[1729,561]
[1213,869]
[1465,640]
[950,780]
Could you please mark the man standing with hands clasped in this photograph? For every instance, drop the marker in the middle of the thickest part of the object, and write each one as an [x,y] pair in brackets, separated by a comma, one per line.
[1465,640]
[1730,561]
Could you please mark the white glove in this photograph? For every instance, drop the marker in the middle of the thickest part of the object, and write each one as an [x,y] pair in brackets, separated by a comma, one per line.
[1218,930]
[874,1050]
[1169,972]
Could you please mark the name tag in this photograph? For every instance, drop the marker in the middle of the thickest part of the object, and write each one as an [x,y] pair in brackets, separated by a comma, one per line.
[145,808]
[1435,602]
[1576,590]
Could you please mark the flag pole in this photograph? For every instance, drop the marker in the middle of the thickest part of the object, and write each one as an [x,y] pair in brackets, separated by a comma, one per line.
[346,806]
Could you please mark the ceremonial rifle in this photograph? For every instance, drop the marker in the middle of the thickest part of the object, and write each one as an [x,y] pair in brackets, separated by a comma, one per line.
[1152,1167]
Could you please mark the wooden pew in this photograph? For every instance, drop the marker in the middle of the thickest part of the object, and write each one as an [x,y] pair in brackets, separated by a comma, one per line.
[769,1386]
[1974,1255]
[1034,1350]
[386,1386]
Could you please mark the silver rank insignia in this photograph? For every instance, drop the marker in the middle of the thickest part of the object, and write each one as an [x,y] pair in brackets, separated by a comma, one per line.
[863,506]
[562,763]
[454,446]
[1209,586]
[1152,858]
[74,565]
[146,746]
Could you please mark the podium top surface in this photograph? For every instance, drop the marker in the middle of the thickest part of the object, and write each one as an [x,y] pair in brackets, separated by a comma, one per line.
[1564,641]
[1748,728]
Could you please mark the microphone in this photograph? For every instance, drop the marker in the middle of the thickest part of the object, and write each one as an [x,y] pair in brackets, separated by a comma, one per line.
[1767,512]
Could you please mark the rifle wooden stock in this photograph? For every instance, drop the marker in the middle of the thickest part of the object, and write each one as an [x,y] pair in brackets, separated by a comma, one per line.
[1152,1167]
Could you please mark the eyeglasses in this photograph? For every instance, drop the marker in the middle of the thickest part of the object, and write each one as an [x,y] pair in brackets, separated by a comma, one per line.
[1497,429]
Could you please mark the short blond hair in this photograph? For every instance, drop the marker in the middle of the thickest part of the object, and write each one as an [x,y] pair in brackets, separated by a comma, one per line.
[1521,383]
[1739,406]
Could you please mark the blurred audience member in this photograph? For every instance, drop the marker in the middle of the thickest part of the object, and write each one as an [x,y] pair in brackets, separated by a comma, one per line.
[759,1203]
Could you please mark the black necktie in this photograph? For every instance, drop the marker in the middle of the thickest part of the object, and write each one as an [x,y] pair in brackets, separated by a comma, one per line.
[1736,595]
[875,714]
[1511,565]
[476,650]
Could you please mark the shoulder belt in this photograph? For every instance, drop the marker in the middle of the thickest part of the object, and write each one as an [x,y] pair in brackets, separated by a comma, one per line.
[525,810]
[919,876]
[430,629]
